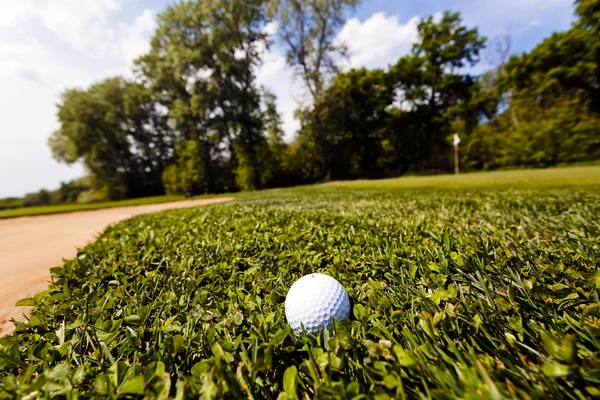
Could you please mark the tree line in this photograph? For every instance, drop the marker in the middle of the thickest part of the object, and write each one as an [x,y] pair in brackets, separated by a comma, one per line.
[195,120]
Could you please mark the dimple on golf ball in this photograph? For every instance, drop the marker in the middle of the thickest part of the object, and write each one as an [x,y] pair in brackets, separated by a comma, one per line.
[314,301]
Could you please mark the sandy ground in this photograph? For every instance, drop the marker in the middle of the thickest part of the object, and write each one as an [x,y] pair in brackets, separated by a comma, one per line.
[30,246]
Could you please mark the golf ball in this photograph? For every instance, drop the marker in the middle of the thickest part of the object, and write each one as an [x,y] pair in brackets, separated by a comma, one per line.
[314,301]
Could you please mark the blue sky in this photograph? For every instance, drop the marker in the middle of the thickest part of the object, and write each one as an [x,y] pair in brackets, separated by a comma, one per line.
[47,46]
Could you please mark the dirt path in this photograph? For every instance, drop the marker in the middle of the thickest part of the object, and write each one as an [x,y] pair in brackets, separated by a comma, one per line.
[30,246]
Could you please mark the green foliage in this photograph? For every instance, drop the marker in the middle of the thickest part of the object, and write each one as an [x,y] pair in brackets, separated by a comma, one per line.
[309,31]
[186,173]
[564,63]
[553,114]
[41,198]
[431,81]
[303,158]
[115,131]
[548,100]
[376,123]
[455,294]
[201,68]
[275,159]
[246,173]
[354,116]
[562,133]
[9,203]
[197,85]
[67,193]
[589,13]
[73,191]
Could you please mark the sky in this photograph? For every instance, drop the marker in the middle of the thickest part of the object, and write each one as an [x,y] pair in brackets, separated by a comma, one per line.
[48,46]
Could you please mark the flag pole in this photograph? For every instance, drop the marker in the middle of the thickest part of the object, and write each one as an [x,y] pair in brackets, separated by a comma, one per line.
[456,143]
[456,159]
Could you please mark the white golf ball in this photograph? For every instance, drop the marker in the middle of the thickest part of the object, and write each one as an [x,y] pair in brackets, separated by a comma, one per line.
[315,300]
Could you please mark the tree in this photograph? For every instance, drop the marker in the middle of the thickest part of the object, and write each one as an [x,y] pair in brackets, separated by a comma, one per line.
[184,175]
[238,33]
[429,81]
[545,136]
[589,14]
[177,71]
[195,120]
[589,20]
[309,29]
[201,68]
[275,161]
[354,115]
[555,99]
[41,198]
[114,128]
[564,63]
[68,192]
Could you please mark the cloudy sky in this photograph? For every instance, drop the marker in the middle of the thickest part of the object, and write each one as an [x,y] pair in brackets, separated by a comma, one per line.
[47,46]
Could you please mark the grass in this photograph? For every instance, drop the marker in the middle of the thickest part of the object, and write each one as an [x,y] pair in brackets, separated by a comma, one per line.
[521,178]
[581,175]
[456,293]
[63,208]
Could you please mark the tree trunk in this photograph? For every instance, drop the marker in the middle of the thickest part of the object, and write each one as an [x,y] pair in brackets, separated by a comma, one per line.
[321,148]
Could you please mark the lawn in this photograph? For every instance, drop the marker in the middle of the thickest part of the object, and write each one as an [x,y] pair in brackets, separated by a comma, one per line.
[40,210]
[585,175]
[456,293]
[519,178]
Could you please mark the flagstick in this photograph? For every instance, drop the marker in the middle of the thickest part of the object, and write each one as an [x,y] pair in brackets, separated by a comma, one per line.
[456,159]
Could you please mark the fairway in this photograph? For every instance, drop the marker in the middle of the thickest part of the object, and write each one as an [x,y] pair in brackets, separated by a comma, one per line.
[456,291]
[522,178]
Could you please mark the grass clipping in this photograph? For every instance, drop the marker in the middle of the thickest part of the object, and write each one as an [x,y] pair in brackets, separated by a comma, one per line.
[456,294]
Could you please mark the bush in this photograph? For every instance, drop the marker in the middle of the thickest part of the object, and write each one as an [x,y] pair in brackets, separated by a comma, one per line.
[41,198]
[10,202]
[89,196]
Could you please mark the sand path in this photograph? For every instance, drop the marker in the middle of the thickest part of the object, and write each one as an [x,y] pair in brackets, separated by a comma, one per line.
[30,246]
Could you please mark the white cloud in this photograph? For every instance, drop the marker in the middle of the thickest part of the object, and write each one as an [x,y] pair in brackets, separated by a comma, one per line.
[47,46]
[278,78]
[82,24]
[535,22]
[11,11]
[378,41]
[135,38]
[271,28]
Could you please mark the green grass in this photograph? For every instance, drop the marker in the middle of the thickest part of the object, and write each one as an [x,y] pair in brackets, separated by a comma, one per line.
[40,210]
[582,175]
[462,293]
[521,178]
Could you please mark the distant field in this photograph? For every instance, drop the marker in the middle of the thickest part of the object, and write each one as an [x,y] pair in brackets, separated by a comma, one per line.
[21,212]
[584,175]
[524,178]
[467,293]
